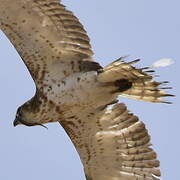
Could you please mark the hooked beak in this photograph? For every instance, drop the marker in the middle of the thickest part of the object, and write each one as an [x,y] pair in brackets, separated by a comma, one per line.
[16,122]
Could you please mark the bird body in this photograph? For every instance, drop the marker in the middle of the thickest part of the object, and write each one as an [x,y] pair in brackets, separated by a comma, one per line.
[77,92]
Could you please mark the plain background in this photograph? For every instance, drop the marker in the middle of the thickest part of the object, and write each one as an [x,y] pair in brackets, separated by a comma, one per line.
[149,30]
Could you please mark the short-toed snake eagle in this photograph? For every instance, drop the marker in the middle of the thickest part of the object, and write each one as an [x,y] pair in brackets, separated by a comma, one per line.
[77,92]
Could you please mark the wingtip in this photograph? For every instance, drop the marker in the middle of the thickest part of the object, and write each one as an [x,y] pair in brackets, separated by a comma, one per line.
[134,61]
[166,102]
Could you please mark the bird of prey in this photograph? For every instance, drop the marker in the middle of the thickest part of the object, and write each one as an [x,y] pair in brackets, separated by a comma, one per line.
[80,94]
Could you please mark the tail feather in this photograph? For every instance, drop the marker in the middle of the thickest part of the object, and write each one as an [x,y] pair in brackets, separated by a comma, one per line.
[143,86]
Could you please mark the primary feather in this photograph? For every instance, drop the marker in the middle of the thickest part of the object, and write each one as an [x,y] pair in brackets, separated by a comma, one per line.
[77,92]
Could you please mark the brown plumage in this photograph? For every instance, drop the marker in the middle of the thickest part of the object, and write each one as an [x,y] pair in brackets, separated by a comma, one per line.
[81,95]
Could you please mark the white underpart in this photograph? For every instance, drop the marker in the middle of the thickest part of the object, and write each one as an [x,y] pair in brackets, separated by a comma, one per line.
[162,63]
[85,92]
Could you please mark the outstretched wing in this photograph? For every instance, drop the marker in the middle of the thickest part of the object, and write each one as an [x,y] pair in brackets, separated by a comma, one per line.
[116,146]
[50,39]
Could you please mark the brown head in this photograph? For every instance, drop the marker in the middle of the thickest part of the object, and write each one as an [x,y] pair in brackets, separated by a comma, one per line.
[29,114]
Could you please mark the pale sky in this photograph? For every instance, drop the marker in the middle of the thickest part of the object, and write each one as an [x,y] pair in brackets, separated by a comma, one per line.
[149,30]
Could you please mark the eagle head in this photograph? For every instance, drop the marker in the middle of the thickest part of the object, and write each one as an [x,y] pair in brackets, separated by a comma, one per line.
[28,114]
[21,118]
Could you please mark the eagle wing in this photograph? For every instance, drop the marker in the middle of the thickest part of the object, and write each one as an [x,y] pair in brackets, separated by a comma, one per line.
[115,145]
[50,39]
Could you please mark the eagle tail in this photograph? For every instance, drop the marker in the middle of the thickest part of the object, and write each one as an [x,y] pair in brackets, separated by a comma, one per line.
[134,83]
